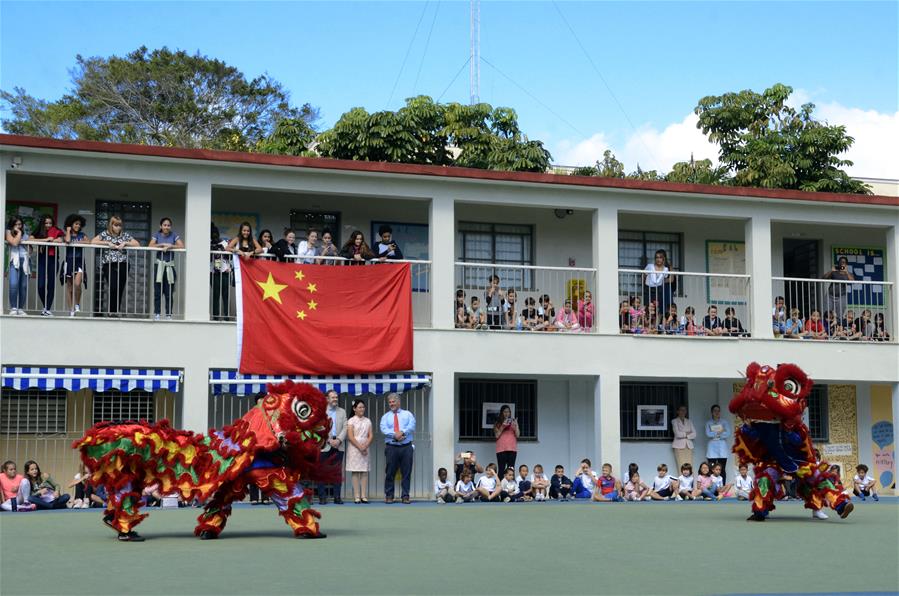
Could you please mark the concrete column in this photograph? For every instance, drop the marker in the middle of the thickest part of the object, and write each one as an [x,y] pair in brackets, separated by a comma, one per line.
[892,275]
[442,252]
[607,422]
[605,260]
[758,266]
[895,392]
[195,399]
[443,419]
[198,214]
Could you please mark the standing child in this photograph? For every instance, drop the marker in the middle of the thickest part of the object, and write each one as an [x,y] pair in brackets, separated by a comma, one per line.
[584,481]
[685,483]
[743,483]
[465,491]
[509,490]
[524,484]
[559,484]
[636,489]
[443,488]
[608,488]
[539,483]
[488,485]
[664,487]
[719,487]
[864,485]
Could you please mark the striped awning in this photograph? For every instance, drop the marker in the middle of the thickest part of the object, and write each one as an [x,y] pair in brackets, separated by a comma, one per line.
[98,379]
[234,383]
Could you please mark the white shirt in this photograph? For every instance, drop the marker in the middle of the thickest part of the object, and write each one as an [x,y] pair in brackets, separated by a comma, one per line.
[304,249]
[661,483]
[866,482]
[655,278]
[534,477]
[510,486]
[441,486]
[686,482]
[464,487]
[588,480]
[743,483]
[487,483]
[717,481]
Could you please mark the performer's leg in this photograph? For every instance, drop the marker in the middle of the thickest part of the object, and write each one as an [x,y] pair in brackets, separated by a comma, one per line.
[296,509]
[823,488]
[217,510]
[764,490]
[122,508]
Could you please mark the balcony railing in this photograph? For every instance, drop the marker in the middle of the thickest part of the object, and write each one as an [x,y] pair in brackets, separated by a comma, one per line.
[832,310]
[79,280]
[223,306]
[688,304]
[491,296]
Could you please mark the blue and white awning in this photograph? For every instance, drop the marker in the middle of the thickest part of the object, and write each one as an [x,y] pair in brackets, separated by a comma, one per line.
[98,379]
[234,383]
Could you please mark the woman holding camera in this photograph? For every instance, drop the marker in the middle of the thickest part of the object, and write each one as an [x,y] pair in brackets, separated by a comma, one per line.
[506,431]
[837,299]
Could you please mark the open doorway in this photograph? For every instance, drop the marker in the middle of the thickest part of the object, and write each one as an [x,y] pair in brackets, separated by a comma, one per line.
[801,260]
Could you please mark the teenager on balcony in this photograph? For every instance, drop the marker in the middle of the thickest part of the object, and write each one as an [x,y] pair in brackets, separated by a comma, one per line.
[165,274]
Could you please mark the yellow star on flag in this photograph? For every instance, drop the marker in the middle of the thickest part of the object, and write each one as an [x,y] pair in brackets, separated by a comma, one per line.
[311,287]
[299,275]
[301,314]
[312,304]
[270,289]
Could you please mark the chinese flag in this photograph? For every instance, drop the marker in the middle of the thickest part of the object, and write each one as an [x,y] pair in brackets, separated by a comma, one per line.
[296,319]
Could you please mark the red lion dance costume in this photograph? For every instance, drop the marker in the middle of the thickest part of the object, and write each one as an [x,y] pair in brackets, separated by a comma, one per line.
[275,445]
[775,439]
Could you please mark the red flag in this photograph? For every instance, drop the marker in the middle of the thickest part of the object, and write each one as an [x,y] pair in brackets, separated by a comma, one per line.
[296,319]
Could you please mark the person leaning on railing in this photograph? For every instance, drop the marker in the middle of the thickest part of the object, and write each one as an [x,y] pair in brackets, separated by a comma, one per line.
[308,248]
[47,261]
[164,279]
[219,275]
[356,250]
[72,273]
[328,248]
[19,266]
[114,260]
[244,244]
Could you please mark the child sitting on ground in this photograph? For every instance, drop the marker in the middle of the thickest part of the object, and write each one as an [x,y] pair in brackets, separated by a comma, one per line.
[704,487]
[539,483]
[524,485]
[559,484]
[608,488]
[636,489]
[685,483]
[743,483]
[488,485]
[443,488]
[864,485]
[582,488]
[465,491]
[721,490]
[509,490]
[664,487]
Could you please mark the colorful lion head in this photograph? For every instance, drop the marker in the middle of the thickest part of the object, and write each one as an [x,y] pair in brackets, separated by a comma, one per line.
[773,394]
[297,408]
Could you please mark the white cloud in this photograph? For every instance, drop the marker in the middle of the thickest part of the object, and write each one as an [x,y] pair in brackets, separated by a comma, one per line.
[875,152]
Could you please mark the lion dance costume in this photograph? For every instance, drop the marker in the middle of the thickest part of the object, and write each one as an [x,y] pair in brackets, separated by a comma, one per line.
[275,445]
[776,441]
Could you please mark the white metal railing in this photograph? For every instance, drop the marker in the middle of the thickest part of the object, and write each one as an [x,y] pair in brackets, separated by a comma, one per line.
[495,296]
[683,303]
[223,306]
[833,310]
[93,280]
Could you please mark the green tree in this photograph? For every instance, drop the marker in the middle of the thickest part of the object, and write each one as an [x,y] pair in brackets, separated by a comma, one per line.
[766,143]
[158,97]
[426,132]
[697,172]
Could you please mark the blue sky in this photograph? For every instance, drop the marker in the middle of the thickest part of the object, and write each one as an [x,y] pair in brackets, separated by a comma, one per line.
[658,58]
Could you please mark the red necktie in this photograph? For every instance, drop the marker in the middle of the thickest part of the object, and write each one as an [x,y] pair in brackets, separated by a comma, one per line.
[396,423]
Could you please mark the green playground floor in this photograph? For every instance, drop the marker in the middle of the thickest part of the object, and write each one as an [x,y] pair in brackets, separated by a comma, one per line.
[424,548]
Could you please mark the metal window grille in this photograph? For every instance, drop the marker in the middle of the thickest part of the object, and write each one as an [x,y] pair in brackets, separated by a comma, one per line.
[818,422]
[632,395]
[501,244]
[473,393]
[32,411]
[301,221]
[121,406]
[637,249]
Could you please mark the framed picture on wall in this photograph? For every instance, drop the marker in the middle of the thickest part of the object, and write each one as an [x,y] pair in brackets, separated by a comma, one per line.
[228,222]
[728,257]
[29,211]
[652,417]
[490,413]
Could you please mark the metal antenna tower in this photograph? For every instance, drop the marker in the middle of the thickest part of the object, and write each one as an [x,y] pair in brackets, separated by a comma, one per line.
[474,62]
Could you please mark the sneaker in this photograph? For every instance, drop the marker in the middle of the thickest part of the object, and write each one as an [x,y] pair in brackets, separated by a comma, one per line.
[130,537]
[440,500]
[507,500]
[13,312]
[71,313]
[77,308]
[76,504]
[155,317]
[168,317]
[818,514]
[21,313]
[26,507]
[875,497]
[46,313]
[680,498]
[459,499]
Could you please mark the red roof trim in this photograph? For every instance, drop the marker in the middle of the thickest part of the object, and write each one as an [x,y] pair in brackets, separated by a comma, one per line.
[445,171]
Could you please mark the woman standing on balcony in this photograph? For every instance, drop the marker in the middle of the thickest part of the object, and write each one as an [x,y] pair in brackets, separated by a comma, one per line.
[164,280]
[356,250]
[47,262]
[328,249]
[219,275]
[506,431]
[308,248]
[72,273]
[244,244]
[114,260]
[19,266]
[266,241]
[657,282]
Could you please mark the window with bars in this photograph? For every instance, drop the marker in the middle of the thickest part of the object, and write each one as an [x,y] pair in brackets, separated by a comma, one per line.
[818,423]
[473,416]
[637,249]
[670,395]
[122,406]
[32,411]
[302,221]
[498,244]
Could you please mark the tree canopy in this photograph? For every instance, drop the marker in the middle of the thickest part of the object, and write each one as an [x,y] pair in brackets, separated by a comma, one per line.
[159,97]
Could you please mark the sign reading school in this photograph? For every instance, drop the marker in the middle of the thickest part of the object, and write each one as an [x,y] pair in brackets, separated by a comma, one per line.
[296,319]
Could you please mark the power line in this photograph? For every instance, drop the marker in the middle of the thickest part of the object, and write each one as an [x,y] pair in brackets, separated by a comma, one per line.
[604,82]
[532,96]
[425,52]
[456,76]
[406,57]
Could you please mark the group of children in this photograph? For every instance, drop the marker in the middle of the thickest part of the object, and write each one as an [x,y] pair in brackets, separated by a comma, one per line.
[789,324]
[500,309]
[634,317]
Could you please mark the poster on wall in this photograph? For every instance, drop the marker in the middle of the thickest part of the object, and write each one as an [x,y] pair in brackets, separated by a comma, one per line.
[866,264]
[413,242]
[883,437]
[490,413]
[652,418]
[727,257]
[29,211]
[228,222]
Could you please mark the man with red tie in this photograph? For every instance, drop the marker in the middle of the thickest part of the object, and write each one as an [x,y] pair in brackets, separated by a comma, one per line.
[398,427]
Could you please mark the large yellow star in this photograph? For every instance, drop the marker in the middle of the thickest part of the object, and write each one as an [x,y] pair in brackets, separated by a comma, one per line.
[270,289]
[311,287]
[299,275]
[312,304]
[301,314]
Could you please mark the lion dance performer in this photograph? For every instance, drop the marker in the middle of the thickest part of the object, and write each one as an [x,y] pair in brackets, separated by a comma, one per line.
[275,445]
[776,441]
